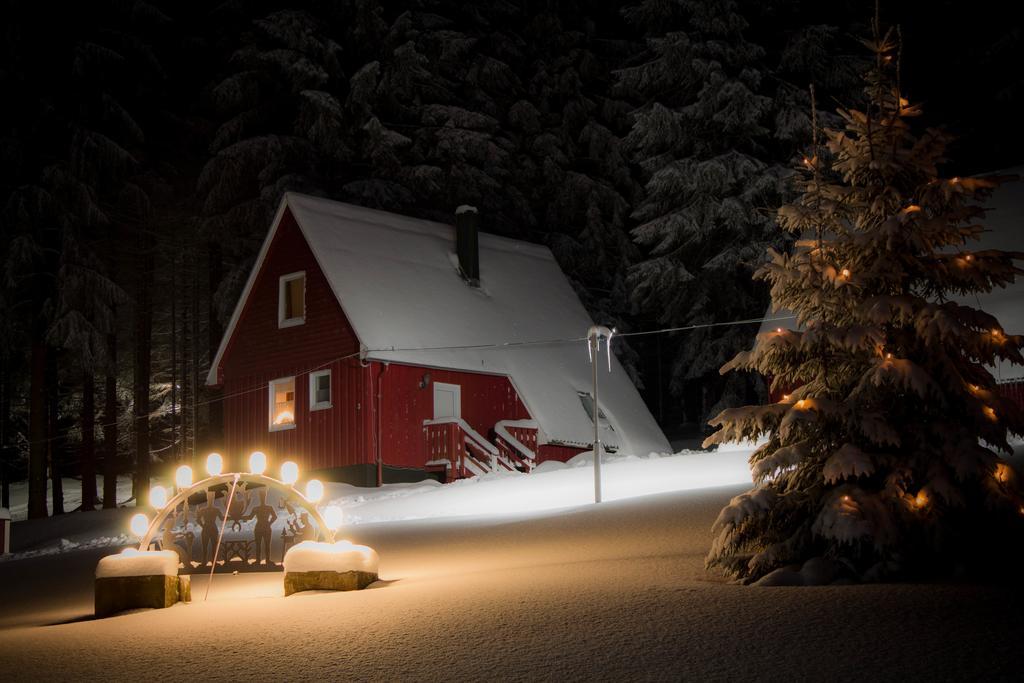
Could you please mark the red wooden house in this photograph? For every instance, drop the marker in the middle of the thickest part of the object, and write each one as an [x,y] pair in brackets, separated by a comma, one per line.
[375,347]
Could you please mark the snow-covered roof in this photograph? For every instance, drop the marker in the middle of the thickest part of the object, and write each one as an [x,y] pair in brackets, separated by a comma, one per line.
[396,279]
[1004,223]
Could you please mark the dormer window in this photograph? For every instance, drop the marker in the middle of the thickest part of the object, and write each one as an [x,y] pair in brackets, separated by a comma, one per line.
[291,299]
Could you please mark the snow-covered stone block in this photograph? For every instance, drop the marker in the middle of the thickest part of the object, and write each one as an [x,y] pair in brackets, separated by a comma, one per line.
[139,578]
[134,562]
[341,566]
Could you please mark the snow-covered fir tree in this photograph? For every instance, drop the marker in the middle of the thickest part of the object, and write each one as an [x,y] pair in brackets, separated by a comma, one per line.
[884,458]
[700,139]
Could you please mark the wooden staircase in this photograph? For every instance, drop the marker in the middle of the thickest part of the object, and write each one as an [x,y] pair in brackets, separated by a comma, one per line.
[454,446]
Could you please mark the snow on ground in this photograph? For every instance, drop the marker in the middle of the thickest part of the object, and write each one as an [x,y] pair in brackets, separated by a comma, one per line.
[598,592]
[553,485]
[605,592]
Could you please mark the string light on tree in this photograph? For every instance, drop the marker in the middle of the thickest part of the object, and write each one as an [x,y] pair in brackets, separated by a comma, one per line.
[873,415]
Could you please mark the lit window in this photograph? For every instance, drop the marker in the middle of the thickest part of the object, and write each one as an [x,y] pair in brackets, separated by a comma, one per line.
[291,299]
[588,405]
[320,390]
[282,404]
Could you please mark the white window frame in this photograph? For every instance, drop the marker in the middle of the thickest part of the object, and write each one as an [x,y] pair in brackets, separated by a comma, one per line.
[272,405]
[313,403]
[281,307]
[602,417]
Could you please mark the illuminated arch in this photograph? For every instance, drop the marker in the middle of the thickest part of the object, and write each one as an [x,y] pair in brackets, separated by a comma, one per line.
[234,478]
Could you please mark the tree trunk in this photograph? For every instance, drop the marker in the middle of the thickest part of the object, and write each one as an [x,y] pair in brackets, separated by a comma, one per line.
[55,443]
[37,431]
[87,456]
[6,382]
[175,453]
[187,445]
[214,267]
[110,460]
[143,333]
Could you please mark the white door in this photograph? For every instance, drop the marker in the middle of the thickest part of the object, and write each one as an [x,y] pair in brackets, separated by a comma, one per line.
[447,400]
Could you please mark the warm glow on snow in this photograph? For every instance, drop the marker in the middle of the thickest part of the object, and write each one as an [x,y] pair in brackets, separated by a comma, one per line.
[158,497]
[1002,473]
[289,473]
[139,524]
[183,477]
[989,412]
[258,462]
[214,464]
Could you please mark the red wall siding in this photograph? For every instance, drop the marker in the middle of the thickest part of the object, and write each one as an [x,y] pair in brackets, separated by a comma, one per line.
[1012,390]
[259,352]
[486,399]
[555,452]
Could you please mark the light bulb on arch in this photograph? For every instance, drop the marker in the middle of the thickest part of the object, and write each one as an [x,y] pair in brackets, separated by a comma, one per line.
[258,462]
[289,472]
[183,477]
[333,517]
[158,497]
[139,525]
[314,490]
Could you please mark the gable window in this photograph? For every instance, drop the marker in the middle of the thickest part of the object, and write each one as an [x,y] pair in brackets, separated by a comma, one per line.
[282,404]
[291,299]
[588,405]
[320,390]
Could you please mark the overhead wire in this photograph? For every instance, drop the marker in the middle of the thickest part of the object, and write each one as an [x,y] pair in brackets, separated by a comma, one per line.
[458,347]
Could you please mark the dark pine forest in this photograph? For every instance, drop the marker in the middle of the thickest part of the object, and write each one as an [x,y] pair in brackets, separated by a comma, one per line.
[145,145]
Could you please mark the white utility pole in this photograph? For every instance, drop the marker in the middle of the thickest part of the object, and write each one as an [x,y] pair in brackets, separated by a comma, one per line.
[594,335]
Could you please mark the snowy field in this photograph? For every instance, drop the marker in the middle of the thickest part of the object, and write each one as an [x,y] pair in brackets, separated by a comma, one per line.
[551,589]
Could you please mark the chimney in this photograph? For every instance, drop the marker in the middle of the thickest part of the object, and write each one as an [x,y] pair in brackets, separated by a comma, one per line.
[467,243]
